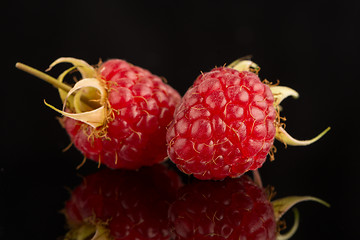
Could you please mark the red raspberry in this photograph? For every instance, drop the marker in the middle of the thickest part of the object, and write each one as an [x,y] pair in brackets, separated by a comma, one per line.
[143,106]
[229,209]
[120,204]
[227,121]
[124,127]
[224,126]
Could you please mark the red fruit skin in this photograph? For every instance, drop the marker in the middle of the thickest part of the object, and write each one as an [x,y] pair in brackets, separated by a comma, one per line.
[224,125]
[132,205]
[230,209]
[142,104]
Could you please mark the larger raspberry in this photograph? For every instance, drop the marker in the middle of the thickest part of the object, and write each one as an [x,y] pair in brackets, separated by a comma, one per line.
[231,209]
[224,126]
[119,204]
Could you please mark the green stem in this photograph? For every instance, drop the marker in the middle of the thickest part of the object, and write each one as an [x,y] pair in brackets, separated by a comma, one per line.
[53,81]
[43,76]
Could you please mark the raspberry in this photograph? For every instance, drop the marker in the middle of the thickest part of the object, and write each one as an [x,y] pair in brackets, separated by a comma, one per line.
[117,114]
[122,204]
[229,209]
[226,123]
[224,126]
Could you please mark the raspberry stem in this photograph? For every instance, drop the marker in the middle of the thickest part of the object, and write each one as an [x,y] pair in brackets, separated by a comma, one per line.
[43,76]
[53,81]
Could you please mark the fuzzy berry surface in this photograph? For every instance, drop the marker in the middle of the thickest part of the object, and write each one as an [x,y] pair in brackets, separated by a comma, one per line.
[131,205]
[224,125]
[142,105]
[230,209]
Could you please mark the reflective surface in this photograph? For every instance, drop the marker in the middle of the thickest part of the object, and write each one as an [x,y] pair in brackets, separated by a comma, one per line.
[155,202]
[152,204]
[311,47]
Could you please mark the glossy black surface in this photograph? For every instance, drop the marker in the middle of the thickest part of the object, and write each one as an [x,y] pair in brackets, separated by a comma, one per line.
[311,47]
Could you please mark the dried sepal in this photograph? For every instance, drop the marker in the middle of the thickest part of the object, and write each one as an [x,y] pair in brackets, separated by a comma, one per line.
[86,101]
[95,117]
[80,106]
[282,92]
[86,70]
[245,65]
[284,137]
[90,83]
[62,92]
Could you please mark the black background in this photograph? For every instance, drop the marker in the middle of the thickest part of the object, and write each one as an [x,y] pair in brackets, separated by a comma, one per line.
[312,47]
